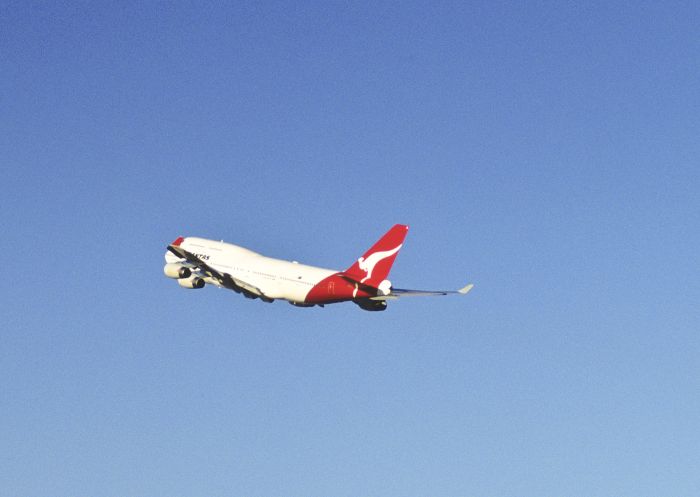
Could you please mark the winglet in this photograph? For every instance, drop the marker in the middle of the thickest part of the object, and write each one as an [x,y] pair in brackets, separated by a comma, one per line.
[177,242]
[466,289]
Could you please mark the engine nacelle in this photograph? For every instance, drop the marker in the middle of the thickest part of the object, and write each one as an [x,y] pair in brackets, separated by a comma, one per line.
[371,305]
[384,288]
[191,282]
[177,271]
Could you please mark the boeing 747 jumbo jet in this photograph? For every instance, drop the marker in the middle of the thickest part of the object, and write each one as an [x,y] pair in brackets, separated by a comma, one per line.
[197,261]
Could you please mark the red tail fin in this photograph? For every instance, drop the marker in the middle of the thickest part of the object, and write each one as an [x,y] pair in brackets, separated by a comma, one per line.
[374,266]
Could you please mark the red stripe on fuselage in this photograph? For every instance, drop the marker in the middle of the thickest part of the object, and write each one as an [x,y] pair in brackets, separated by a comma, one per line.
[334,288]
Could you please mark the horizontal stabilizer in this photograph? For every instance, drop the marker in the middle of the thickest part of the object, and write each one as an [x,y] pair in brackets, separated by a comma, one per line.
[401,292]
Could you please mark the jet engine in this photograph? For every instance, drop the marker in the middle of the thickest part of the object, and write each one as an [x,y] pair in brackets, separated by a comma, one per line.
[191,282]
[371,305]
[176,271]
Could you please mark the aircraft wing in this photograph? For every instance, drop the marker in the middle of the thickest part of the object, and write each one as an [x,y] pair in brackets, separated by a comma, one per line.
[225,279]
[400,292]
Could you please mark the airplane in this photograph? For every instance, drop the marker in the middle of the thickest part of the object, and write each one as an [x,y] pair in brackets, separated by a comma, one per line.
[194,262]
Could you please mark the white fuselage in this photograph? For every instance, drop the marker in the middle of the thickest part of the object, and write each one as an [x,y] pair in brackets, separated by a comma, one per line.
[276,278]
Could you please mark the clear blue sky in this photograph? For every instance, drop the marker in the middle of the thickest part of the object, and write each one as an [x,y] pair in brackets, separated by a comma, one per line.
[547,151]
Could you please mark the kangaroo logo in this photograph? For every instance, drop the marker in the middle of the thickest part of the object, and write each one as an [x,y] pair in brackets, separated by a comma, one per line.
[367,265]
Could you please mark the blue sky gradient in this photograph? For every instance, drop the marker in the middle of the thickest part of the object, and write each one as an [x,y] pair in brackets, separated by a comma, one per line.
[546,151]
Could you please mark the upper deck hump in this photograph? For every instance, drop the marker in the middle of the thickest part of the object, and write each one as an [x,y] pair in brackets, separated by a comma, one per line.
[194,243]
